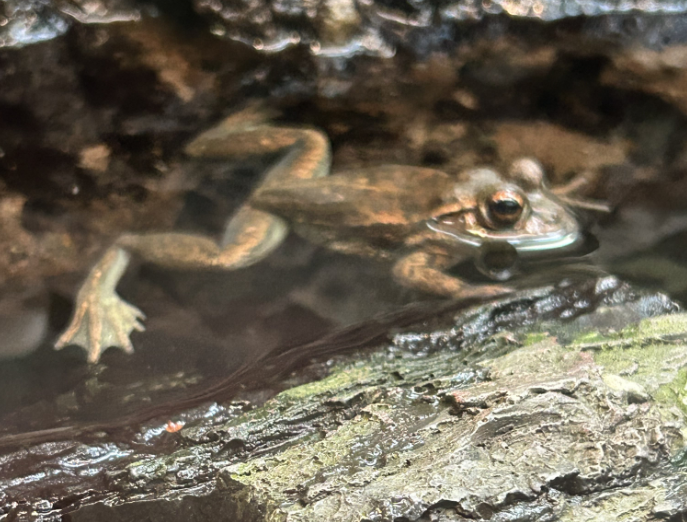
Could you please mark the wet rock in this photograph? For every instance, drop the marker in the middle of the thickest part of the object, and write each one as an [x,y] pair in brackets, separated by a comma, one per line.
[545,417]
[342,28]
[659,71]
[26,22]
[94,118]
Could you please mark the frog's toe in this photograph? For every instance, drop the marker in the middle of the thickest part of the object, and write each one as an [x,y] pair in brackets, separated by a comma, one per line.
[99,324]
[127,319]
[484,291]
[495,290]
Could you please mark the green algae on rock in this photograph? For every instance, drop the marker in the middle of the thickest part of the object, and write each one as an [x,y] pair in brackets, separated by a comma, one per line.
[507,413]
[543,428]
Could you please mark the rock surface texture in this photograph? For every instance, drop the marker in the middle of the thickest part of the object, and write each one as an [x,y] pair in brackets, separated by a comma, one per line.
[504,413]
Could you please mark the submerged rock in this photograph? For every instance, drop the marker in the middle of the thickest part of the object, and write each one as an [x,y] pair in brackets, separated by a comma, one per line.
[26,22]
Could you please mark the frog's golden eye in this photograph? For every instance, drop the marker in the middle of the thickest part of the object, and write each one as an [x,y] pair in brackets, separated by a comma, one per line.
[505,207]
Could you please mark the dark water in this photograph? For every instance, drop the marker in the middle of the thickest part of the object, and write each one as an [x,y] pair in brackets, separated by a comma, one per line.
[209,336]
[204,327]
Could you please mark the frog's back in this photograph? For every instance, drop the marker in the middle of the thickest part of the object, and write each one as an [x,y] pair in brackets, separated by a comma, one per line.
[388,196]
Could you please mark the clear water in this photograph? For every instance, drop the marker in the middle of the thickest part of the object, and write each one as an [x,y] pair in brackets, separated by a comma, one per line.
[60,210]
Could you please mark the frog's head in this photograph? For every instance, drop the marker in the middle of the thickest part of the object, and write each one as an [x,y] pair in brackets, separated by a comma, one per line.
[517,209]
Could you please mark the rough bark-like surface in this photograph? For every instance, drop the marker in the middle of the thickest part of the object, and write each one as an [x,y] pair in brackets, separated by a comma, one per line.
[506,414]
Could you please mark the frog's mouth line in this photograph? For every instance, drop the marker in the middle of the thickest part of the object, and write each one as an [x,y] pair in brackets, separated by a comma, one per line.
[539,243]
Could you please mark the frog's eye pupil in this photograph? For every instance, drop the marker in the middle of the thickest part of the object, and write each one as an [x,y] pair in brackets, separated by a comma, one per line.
[505,207]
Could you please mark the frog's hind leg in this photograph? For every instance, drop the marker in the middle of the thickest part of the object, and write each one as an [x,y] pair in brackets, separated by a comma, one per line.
[252,234]
[306,150]
[102,319]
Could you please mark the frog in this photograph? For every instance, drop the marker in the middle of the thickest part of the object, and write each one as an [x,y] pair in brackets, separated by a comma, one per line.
[422,220]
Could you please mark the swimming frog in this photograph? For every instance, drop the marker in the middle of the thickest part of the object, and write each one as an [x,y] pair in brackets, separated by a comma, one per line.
[423,220]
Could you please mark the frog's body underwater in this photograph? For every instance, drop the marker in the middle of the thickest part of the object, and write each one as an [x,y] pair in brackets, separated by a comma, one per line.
[423,219]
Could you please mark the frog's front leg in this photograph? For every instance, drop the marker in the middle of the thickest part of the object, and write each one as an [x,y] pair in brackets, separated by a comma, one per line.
[102,319]
[424,271]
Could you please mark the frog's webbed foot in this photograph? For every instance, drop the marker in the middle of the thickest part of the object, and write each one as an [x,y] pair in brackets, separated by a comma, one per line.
[102,318]
[101,321]
[424,271]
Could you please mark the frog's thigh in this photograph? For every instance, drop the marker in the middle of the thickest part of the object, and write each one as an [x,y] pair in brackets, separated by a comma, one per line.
[424,271]
[306,151]
[250,236]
